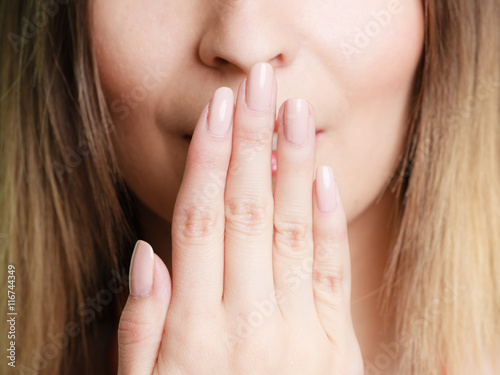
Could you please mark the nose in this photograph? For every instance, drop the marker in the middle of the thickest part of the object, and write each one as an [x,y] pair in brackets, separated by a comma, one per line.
[245,32]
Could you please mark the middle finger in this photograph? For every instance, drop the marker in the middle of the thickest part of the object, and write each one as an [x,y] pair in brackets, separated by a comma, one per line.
[248,198]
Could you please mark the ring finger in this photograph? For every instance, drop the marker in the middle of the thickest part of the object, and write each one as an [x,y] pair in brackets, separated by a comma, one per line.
[293,246]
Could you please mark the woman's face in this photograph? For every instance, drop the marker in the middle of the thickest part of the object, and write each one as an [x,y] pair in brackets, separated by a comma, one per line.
[353,60]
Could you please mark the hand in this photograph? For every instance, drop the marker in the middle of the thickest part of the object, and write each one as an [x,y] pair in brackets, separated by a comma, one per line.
[261,283]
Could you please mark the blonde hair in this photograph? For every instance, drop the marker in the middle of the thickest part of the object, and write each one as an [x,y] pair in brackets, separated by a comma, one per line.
[67,219]
[64,210]
[444,271]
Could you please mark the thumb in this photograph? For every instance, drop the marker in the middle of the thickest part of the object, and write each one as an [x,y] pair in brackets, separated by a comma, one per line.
[142,321]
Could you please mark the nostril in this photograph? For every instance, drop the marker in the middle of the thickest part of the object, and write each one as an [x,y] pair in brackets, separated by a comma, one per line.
[218,61]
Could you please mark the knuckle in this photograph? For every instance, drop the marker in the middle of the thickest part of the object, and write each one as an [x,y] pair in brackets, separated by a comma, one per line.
[133,330]
[251,142]
[330,279]
[327,251]
[247,215]
[293,236]
[254,137]
[207,158]
[195,223]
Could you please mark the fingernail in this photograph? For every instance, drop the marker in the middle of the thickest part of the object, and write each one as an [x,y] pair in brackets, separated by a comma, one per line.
[296,121]
[141,270]
[221,112]
[325,189]
[259,87]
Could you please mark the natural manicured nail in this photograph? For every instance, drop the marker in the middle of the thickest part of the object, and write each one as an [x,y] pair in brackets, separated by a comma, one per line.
[220,114]
[296,121]
[325,189]
[259,87]
[141,270]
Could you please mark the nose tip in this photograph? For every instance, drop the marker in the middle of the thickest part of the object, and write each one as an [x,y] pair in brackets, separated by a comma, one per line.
[249,33]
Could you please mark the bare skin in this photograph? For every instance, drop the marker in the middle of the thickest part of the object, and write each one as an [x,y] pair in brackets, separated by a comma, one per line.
[359,93]
[367,270]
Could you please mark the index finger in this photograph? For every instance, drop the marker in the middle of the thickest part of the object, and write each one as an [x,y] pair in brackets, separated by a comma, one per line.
[198,219]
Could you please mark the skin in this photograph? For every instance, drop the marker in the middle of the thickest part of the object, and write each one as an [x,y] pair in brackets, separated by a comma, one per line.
[160,64]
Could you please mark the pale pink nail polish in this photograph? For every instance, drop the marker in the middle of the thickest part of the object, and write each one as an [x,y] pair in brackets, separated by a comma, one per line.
[260,87]
[221,112]
[141,270]
[296,121]
[325,189]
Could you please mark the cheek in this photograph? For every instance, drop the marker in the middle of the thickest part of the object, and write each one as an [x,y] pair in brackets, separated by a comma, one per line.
[379,55]
[373,84]
[134,44]
[376,79]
